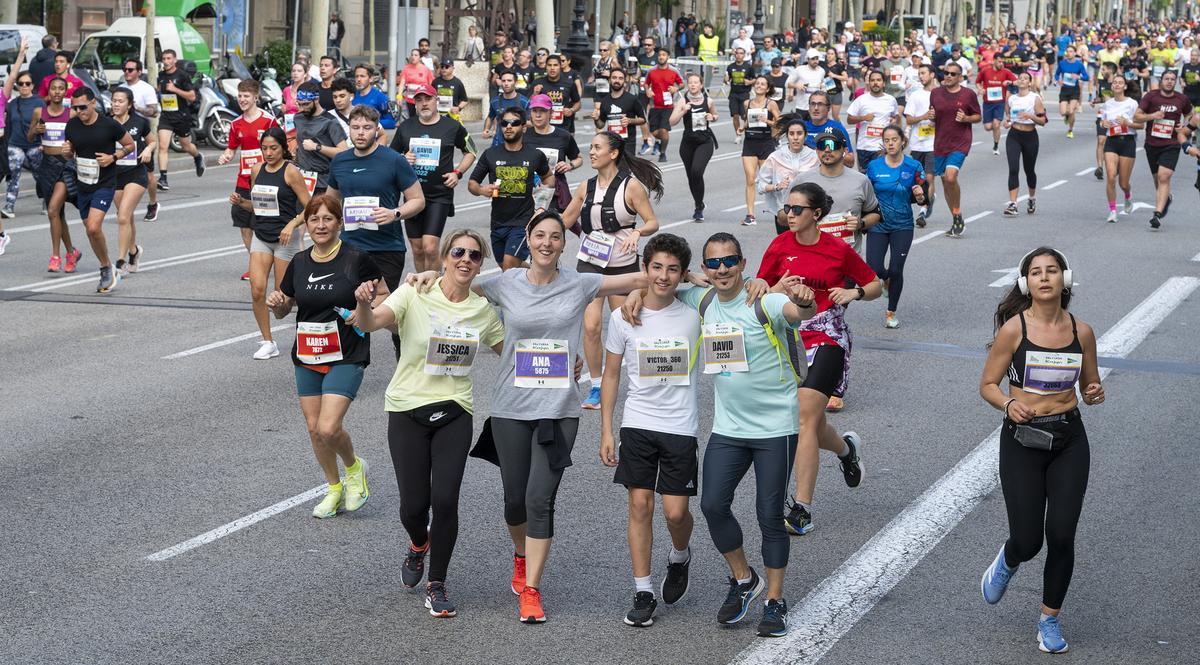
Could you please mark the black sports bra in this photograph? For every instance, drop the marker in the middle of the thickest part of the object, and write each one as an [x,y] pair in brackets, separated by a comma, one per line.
[1042,371]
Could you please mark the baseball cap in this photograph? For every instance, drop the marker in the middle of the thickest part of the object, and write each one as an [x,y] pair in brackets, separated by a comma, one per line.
[425,89]
[541,102]
[447,62]
[812,53]
[838,142]
[776,62]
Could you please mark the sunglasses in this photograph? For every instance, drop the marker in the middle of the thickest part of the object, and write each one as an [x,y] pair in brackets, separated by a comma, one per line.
[474,255]
[795,209]
[79,107]
[718,261]
[828,145]
[131,69]
[25,84]
[953,73]
[511,123]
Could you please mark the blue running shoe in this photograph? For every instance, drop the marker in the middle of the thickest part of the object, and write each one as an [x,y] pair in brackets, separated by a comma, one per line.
[995,579]
[774,619]
[593,399]
[1050,637]
[737,602]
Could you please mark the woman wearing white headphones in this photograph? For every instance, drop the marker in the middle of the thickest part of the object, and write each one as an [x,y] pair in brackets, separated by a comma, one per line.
[1045,352]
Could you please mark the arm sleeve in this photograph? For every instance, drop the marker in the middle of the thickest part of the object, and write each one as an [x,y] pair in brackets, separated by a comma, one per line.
[336,133]
[493,289]
[460,93]
[773,304]
[691,297]
[542,165]
[572,150]
[399,143]
[767,269]
[234,141]
[870,201]
[331,177]
[589,286]
[405,175]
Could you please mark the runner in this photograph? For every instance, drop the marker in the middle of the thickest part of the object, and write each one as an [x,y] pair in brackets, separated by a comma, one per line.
[244,135]
[892,69]
[290,107]
[919,115]
[511,168]
[761,115]
[806,79]
[327,70]
[508,97]
[368,94]
[739,76]
[428,140]
[1165,113]
[56,180]
[659,429]
[62,70]
[329,354]
[778,80]
[1044,451]
[899,182]
[871,113]
[789,160]
[1120,145]
[608,232]
[1023,114]
[955,109]
[808,256]
[415,74]
[319,136]
[429,402]
[90,138]
[22,152]
[697,111]
[836,79]
[993,84]
[132,180]
[278,195]
[618,109]
[562,94]
[821,121]
[662,83]
[1069,73]
[145,104]
[176,95]
[559,146]
[380,189]
[647,59]
[452,94]
[601,86]
[1101,93]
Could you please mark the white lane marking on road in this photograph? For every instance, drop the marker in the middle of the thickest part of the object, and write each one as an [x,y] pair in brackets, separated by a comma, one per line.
[224,342]
[51,284]
[1009,277]
[1085,171]
[832,608]
[1196,257]
[137,213]
[734,208]
[1056,183]
[238,524]
[934,234]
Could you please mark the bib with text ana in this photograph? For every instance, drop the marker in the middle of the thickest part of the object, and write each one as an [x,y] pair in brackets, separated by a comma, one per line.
[542,363]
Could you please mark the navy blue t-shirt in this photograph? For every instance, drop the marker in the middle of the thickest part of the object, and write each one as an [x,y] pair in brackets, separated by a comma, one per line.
[813,131]
[384,173]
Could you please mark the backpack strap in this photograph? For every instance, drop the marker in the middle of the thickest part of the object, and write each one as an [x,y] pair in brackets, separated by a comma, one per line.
[792,350]
[608,207]
[585,218]
[705,301]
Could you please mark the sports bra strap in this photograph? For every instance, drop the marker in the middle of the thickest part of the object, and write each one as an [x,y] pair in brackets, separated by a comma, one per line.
[1024,332]
[1074,330]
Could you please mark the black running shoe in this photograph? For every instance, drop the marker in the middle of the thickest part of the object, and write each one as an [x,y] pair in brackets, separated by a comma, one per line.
[798,521]
[921,218]
[1167,208]
[437,602]
[1099,173]
[852,466]
[151,213]
[737,602]
[1010,210]
[642,614]
[675,584]
[1031,206]
[199,159]
[1155,221]
[698,215]
[662,157]
[774,619]
[414,567]
[163,185]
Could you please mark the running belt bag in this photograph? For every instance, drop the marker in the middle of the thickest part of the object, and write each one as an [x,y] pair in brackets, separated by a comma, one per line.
[608,210]
[1032,437]
[438,414]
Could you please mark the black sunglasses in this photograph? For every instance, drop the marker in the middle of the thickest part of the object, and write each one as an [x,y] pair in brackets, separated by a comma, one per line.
[131,69]
[79,107]
[795,209]
[25,83]
[511,123]
[474,255]
[718,261]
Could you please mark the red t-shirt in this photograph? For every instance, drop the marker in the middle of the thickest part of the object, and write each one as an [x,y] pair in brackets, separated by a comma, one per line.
[1176,108]
[246,135]
[989,80]
[951,135]
[659,81]
[73,84]
[824,266]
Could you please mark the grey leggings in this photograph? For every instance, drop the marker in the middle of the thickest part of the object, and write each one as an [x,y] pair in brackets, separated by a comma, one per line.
[530,485]
[31,159]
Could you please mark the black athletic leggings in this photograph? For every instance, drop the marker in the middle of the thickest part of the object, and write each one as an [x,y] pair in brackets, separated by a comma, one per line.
[894,245]
[695,156]
[1022,147]
[429,465]
[1043,491]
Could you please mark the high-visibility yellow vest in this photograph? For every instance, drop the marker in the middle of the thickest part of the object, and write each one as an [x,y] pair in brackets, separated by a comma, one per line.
[709,47]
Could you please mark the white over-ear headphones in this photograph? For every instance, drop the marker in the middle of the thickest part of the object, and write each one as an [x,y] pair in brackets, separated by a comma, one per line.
[1023,280]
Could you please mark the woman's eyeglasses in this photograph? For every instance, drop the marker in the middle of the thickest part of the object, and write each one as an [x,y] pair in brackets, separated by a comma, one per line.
[795,209]
[474,255]
[717,261]
[25,84]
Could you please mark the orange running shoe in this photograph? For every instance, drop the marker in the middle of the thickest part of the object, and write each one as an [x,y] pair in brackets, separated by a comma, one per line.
[531,606]
[518,578]
[835,404]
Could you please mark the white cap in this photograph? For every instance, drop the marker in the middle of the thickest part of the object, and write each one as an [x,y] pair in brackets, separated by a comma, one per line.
[850,24]
[812,53]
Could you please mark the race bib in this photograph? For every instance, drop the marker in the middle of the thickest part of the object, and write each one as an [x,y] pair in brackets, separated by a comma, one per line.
[667,99]
[724,348]
[451,351]
[1158,71]
[1047,373]
[1163,129]
[444,103]
[542,363]
[777,94]
[602,86]
[925,131]
[830,84]
[128,160]
[250,159]
[170,102]
[428,153]
[310,180]
[1014,116]
[995,93]
[88,170]
[55,134]
[699,120]
[614,125]
[289,122]
[556,114]
[318,343]
[359,213]
[875,131]
[835,225]
[1070,80]
[897,78]
[663,361]
[551,156]
[597,248]
[756,118]
[266,200]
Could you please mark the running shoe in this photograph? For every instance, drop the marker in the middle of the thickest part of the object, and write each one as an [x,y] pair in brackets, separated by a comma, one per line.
[1099,173]
[1010,210]
[749,221]
[163,185]
[1155,221]
[109,278]
[531,606]
[135,257]
[592,402]
[55,264]
[798,520]
[356,485]
[151,213]
[737,138]
[737,601]
[675,584]
[1167,207]
[1070,133]
[199,160]
[774,619]
[7,212]
[1050,639]
[246,276]
[890,321]
[641,615]
[1112,217]
[518,576]
[1128,206]
[330,505]
[995,148]
[413,568]
[267,349]
[1031,206]
[73,257]
[852,467]
[995,579]
[45,208]
[4,240]
[662,157]
[698,215]
[437,602]
[958,226]
[657,150]
[122,267]
[645,148]
[921,218]
[835,404]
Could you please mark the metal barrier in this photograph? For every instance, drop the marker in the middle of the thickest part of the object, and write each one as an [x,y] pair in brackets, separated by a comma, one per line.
[711,72]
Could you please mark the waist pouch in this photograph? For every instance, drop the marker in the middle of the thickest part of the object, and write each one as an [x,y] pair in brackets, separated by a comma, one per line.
[1044,432]
[437,414]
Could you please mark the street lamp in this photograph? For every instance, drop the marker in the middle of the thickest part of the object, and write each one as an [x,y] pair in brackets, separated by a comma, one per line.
[758,25]
[578,48]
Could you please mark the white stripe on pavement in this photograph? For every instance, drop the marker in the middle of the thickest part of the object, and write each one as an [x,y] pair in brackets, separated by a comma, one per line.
[140,211]
[1196,257]
[224,342]
[1085,171]
[1056,183]
[934,234]
[148,265]
[739,207]
[832,608]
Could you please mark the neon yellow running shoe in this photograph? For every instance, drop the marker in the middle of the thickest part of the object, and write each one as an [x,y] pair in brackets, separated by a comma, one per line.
[334,501]
[356,485]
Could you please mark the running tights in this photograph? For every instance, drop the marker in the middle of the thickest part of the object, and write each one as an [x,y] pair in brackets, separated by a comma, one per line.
[895,245]
[726,461]
[1022,148]
[695,156]
[1043,491]
[429,465]
[530,485]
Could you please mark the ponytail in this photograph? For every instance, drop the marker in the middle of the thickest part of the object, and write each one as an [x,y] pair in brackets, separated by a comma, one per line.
[644,170]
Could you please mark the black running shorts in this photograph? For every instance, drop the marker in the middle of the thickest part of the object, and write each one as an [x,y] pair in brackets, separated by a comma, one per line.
[664,463]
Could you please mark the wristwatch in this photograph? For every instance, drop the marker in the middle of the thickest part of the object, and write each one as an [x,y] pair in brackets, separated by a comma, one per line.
[397,218]
[861,294]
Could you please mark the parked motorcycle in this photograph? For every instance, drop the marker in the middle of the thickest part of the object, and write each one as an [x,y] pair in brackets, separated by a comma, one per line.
[214,117]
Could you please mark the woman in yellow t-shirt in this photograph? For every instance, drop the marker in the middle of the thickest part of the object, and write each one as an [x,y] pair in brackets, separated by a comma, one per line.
[429,402]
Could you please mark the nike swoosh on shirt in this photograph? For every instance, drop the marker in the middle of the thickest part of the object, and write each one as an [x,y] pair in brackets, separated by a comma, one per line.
[357,170]
[312,279]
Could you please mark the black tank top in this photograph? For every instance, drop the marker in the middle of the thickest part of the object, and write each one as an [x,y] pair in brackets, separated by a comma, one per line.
[1042,371]
[271,193]
[694,111]
[759,133]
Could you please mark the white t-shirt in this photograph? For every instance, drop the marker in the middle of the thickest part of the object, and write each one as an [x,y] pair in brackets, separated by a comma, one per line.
[870,134]
[912,81]
[920,135]
[670,409]
[1113,110]
[811,79]
[929,41]
[747,44]
[144,95]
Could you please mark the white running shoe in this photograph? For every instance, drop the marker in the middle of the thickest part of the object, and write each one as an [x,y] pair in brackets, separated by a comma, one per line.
[267,349]
[1128,206]
[1112,217]
[4,240]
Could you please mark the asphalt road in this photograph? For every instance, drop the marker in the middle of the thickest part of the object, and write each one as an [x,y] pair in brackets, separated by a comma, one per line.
[115,446]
